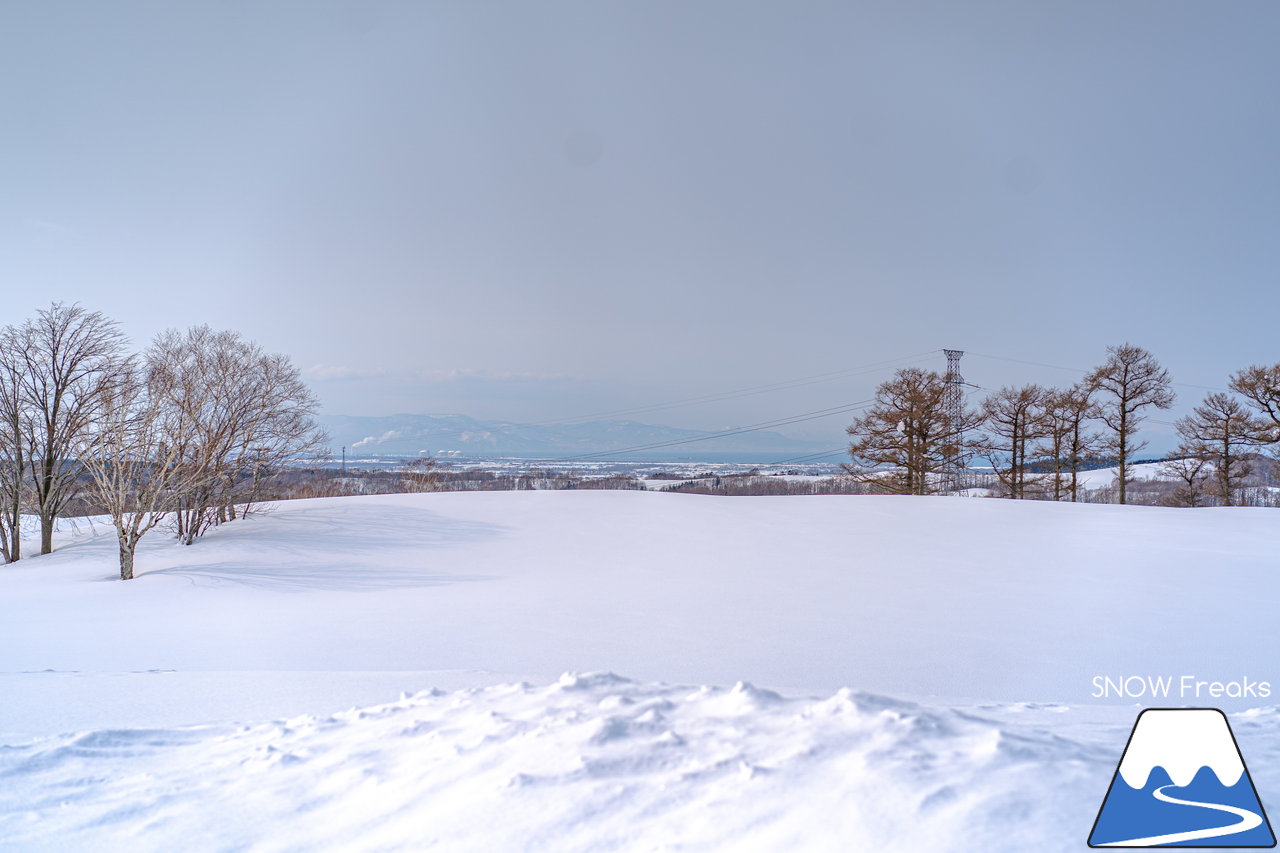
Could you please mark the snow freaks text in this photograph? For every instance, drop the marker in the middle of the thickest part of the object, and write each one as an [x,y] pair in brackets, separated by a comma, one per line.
[1176,687]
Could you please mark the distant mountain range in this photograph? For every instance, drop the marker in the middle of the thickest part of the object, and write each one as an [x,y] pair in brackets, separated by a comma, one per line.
[460,435]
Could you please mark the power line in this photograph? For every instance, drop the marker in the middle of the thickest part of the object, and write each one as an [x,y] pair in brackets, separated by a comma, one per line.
[811,457]
[1078,369]
[799,382]
[807,416]
[1024,361]
[794,419]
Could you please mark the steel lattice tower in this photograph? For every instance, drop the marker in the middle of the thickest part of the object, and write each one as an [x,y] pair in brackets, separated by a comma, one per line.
[953,407]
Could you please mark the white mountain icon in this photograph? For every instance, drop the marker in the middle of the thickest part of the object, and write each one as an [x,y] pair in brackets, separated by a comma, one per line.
[1182,782]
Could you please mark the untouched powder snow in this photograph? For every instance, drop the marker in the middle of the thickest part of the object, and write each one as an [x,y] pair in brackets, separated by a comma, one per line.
[199,706]
[1102,477]
[589,763]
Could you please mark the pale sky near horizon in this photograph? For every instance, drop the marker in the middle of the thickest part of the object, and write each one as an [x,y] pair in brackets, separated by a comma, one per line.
[536,210]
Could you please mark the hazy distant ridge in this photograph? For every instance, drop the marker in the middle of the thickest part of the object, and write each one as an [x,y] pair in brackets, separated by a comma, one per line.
[410,435]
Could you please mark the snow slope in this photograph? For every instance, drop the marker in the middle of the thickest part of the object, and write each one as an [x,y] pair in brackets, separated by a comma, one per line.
[201,700]
[997,600]
[1100,478]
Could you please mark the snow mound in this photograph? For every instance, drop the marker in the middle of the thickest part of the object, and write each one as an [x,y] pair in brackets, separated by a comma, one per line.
[587,763]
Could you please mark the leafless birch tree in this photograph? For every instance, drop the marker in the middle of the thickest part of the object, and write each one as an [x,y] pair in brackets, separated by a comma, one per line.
[13,468]
[250,413]
[133,451]
[67,359]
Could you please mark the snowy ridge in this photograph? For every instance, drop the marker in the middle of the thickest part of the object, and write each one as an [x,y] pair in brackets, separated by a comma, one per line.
[1182,742]
[591,762]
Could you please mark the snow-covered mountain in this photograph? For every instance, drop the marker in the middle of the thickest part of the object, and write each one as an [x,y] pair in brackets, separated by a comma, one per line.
[414,435]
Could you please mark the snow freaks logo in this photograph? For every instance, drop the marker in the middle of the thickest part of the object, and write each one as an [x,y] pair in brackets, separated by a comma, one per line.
[1181,782]
[1183,686]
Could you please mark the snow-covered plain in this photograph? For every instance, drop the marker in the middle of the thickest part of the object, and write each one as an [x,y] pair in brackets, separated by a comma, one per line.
[1100,478]
[924,665]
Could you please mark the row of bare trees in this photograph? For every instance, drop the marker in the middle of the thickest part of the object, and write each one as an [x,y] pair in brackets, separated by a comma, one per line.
[1221,437]
[1037,440]
[189,429]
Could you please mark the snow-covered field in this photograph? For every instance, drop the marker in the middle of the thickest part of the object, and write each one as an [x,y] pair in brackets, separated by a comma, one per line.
[1100,478]
[390,672]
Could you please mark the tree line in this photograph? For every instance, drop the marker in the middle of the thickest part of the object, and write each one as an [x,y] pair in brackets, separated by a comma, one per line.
[190,429]
[1037,440]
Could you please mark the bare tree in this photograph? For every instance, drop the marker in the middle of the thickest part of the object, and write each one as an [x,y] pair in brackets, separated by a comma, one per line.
[207,381]
[133,452]
[1068,444]
[1014,418]
[1220,431]
[1130,380]
[906,440]
[250,413]
[1192,476]
[281,428]
[420,475]
[67,359]
[13,468]
[1261,387]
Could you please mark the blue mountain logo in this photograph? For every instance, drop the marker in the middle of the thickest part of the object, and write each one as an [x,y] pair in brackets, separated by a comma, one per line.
[1182,782]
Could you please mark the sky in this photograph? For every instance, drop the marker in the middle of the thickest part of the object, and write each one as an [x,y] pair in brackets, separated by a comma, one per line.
[532,211]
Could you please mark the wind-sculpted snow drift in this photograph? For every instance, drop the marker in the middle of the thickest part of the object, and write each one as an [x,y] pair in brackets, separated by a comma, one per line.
[591,762]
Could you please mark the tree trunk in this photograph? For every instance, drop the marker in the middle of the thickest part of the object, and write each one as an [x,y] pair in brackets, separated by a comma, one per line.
[1224,473]
[1124,450]
[187,526]
[46,534]
[15,515]
[126,561]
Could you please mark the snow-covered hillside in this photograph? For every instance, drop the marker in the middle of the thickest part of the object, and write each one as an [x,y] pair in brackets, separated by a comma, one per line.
[204,700]
[1100,478]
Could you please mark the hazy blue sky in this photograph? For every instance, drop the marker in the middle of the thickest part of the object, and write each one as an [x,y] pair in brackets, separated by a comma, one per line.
[530,210]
